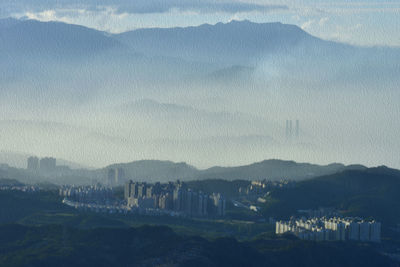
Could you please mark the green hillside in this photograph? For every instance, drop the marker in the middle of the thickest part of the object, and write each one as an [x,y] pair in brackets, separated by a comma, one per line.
[160,246]
[366,193]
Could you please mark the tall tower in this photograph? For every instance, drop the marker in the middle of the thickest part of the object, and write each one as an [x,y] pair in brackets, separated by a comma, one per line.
[33,163]
[290,129]
[297,128]
[47,164]
[111,177]
[287,129]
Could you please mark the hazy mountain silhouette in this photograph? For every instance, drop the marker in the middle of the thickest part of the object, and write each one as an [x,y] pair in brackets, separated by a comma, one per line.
[52,39]
[221,50]
[155,170]
[234,43]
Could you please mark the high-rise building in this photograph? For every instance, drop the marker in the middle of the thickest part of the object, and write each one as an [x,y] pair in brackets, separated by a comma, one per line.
[111,177]
[219,204]
[149,192]
[375,231]
[203,204]
[177,198]
[115,176]
[128,190]
[287,129]
[47,164]
[364,231]
[297,128]
[33,163]
[119,176]
[354,231]
[188,202]
[134,190]
[142,190]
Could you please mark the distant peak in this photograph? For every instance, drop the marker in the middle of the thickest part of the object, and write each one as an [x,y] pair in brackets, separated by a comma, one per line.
[245,21]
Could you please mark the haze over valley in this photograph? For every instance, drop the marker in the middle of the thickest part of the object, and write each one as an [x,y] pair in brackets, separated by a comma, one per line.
[206,95]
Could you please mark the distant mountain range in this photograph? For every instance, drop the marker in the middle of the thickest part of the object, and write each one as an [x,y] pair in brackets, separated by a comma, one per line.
[189,51]
[234,43]
[166,171]
[54,39]
[154,170]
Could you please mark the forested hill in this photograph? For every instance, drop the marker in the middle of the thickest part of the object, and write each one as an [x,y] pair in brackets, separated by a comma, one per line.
[160,246]
[372,192]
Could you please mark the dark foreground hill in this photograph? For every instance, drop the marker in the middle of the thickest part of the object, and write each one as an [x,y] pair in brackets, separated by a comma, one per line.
[373,192]
[160,246]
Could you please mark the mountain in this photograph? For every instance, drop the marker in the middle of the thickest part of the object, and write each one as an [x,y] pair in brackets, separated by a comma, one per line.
[234,43]
[274,170]
[274,50]
[245,78]
[220,50]
[371,192]
[154,170]
[31,38]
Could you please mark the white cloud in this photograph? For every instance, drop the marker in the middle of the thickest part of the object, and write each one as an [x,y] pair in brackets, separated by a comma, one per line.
[307,24]
[142,6]
[322,21]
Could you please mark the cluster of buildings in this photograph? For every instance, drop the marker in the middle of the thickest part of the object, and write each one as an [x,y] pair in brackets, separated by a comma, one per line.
[320,212]
[331,229]
[174,197]
[260,188]
[87,194]
[22,188]
[47,164]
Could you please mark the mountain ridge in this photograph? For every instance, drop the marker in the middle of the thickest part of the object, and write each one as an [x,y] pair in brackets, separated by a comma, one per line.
[272,169]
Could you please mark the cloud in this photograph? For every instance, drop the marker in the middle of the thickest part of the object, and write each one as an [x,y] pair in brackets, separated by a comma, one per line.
[140,6]
[307,24]
[322,21]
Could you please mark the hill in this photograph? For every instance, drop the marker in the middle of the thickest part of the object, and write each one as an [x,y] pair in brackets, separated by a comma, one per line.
[165,171]
[155,170]
[366,193]
[274,170]
[31,38]
[234,43]
[160,246]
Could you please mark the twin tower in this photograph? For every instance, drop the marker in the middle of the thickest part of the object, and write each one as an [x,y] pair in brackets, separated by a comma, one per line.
[289,129]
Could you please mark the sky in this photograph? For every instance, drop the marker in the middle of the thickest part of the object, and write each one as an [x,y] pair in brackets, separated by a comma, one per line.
[358,22]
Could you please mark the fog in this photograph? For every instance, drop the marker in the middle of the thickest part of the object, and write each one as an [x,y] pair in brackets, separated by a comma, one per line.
[121,107]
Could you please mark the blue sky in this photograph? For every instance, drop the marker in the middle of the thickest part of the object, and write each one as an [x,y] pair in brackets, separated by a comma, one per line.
[361,22]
